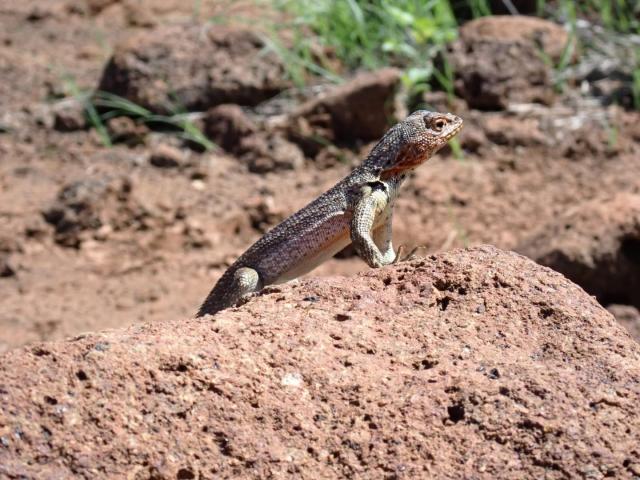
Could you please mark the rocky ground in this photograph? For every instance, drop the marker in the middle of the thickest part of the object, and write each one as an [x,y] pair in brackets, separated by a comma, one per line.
[95,237]
[468,364]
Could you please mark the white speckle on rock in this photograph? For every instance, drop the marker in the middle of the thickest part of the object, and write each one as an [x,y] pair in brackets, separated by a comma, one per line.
[292,380]
[198,185]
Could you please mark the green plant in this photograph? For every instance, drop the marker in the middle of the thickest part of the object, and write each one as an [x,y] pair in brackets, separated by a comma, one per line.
[479,8]
[635,85]
[91,113]
[403,33]
[617,15]
[115,106]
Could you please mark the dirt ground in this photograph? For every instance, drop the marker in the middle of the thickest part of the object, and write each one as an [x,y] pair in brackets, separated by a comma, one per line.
[93,238]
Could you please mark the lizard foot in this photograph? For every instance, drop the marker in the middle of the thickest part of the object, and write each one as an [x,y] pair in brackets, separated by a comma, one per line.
[409,256]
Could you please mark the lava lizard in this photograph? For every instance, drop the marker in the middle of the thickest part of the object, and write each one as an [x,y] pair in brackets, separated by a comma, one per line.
[357,210]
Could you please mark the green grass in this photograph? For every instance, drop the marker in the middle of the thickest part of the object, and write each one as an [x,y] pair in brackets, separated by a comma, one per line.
[115,106]
[367,35]
[91,113]
[411,34]
[100,107]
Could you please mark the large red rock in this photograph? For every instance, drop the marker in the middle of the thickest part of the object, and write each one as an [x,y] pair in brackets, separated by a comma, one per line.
[549,37]
[361,109]
[499,60]
[470,364]
[193,67]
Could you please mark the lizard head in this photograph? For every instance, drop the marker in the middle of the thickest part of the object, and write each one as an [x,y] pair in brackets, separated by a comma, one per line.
[415,140]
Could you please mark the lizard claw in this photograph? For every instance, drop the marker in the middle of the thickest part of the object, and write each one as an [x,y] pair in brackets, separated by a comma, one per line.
[409,256]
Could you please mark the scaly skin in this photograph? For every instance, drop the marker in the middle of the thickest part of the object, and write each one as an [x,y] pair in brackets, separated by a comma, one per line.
[357,210]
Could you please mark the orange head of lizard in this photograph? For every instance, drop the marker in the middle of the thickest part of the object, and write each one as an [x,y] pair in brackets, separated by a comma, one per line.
[417,138]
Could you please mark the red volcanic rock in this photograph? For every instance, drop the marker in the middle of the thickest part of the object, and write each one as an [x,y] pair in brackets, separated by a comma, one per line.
[469,364]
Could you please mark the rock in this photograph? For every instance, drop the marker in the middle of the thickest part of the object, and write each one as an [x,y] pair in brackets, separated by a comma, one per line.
[589,141]
[6,268]
[270,153]
[361,109]
[9,243]
[126,130]
[69,116]
[193,67]
[469,364]
[227,125]
[463,10]
[596,245]
[87,205]
[264,214]
[472,138]
[536,32]
[261,150]
[96,6]
[497,61]
[512,131]
[167,156]
[628,316]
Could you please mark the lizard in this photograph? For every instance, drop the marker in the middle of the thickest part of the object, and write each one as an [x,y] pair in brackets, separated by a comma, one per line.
[357,210]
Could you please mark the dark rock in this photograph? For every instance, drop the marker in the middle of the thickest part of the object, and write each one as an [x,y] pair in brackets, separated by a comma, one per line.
[88,205]
[261,150]
[126,130]
[228,125]
[361,109]
[194,68]
[6,269]
[549,37]
[270,152]
[96,6]
[512,131]
[264,215]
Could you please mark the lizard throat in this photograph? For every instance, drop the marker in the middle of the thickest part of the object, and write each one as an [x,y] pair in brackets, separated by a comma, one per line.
[407,160]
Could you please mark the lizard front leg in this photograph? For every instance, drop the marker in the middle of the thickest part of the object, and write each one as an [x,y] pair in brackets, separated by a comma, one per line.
[376,250]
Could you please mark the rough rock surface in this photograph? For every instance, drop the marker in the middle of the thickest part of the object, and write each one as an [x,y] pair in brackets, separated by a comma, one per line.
[497,60]
[361,109]
[550,37]
[470,364]
[597,245]
[194,68]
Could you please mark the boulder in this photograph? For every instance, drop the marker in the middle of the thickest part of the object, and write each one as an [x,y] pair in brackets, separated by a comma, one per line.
[363,108]
[596,245]
[498,61]
[549,37]
[194,67]
[469,364]
[261,150]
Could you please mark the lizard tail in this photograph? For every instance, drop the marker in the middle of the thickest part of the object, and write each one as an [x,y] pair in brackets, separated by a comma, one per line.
[216,300]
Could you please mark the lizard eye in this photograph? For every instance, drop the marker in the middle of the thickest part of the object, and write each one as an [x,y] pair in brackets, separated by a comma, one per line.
[438,124]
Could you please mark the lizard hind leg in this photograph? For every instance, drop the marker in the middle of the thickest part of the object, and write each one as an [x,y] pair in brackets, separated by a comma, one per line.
[233,287]
[245,281]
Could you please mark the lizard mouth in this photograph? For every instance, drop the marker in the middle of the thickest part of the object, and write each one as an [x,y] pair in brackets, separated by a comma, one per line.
[414,155]
[453,132]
